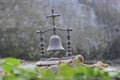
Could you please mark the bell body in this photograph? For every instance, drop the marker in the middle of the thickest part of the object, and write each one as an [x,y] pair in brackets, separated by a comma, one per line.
[55,44]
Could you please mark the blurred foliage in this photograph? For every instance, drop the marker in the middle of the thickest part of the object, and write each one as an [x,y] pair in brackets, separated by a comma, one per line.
[95,26]
[13,71]
[113,48]
[15,44]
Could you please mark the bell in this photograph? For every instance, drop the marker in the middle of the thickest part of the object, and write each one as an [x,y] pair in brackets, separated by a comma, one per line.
[55,44]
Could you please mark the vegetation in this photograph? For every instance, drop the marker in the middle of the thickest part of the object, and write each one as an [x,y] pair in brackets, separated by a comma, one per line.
[95,26]
[13,71]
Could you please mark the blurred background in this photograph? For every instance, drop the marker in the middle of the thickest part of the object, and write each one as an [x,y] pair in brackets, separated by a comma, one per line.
[95,24]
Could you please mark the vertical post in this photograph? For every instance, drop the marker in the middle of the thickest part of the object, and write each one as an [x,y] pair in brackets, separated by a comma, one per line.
[53,17]
[69,50]
[42,48]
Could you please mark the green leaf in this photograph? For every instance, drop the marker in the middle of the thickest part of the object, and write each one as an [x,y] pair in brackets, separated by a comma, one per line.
[11,61]
[7,68]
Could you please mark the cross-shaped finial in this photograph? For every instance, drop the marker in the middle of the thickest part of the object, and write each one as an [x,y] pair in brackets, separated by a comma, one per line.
[53,16]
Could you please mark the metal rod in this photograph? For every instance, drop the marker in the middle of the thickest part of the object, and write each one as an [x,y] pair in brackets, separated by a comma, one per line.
[42,48]
[62,29]
[69,50]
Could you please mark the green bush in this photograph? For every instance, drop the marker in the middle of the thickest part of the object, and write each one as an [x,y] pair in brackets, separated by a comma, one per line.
[14,71]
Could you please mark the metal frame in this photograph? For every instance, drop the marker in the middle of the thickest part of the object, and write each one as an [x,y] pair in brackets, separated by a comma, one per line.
[68,30]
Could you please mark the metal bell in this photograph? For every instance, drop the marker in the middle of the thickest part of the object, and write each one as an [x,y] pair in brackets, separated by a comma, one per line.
[55,44]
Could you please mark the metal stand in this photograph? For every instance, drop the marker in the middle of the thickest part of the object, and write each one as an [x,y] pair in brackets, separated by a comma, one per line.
[42,48]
